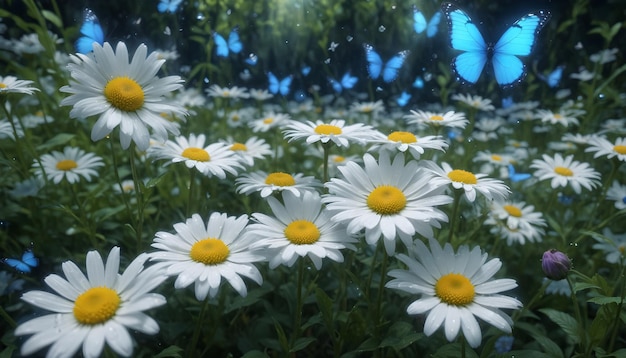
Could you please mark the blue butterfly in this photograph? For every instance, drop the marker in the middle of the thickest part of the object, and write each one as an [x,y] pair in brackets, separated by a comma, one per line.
[515,177]
[404,99]
[279,86]
[233,45]
[252,59]
[389,70]
[420,24]
[24,265]
[517,40]
[553,77]
[347,82]
[419,82]
[91,32]
[507,102]
[306,70]
[169,5]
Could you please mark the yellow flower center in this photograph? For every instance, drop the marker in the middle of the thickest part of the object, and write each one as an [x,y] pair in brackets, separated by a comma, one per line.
[339,159]
[462,176]
[620,149]
[558,116]
[302,232]
[124,93]
[238,147]
[327,129]
[566,172]
[2,85]
[197,154]
[96,305]
[280,179]
[235,118]
[268,120]
[226,93]
[436,118]
[455,289]
[209,251]
[513,210]
[496,158]
[403,137]
[66,165]
[386,200]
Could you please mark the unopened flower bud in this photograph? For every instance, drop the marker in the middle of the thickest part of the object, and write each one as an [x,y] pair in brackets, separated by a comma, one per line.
[555,264]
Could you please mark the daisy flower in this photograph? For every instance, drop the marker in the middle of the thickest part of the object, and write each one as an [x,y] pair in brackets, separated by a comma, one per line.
[455,288]
[604,56]
[253,148]
[260,95]
[225,92]
[564,171]
[336,131]
[6,130]
[516,222]
[476,102]
[370,108]
[603,146]
[563,118]
[70,164]
[388,199]
[617,193]
[205,253]
[93,310]
[406,141]
[494,159]
[299,228]
[10,84]
[213,160]
[27,187]
[613,246]
[268,183]
[128,95]
[492,189]
[270,120]
[614,126]
[449,119]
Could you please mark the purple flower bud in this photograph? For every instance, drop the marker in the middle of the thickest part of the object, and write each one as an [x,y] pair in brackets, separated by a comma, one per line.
[555,264]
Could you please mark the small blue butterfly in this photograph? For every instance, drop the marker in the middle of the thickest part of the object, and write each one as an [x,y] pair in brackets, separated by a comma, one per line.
[168,5]
[420,24]
[553,77]
[518,40]
[389,70]
[91,32]
[419,82]
[233,45]
[347,82]
[404,99]
[279,86]
[306,70]
[516,177]
[24,265]
[252,59]
[507,102]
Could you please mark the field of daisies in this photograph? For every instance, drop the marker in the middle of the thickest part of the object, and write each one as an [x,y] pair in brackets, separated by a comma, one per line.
[154,207]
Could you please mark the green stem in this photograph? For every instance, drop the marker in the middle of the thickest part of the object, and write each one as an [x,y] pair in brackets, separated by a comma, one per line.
[192,181]
[576,306]
[326,150]
[616,321]
[299,303]
[7,318]
[379,297]
[455,213]
[84,221]
[139,197]
[199,325]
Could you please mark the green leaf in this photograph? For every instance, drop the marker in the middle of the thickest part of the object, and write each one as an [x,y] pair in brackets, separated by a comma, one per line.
[59,139]
[171,351]
[452,351]
[368,345]
[50,16]
[400,335]
[254,354]
[282,337]
[565,321]
[302,343]
[527,353]
[325,305]
[605,300]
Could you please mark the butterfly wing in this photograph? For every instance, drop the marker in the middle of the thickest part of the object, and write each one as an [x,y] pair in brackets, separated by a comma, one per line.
[24,265]
[348,81]
[433,25]
[335,85]
[374,62]
[516,177]
[419,21]
[404,99]
[221,45]
[517,40]
[306,70]
[419,82]
[555,77]
[252,59]
[274,84]
[285,85]
[392,67]
[465,36]
[234,43]
[91,32]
